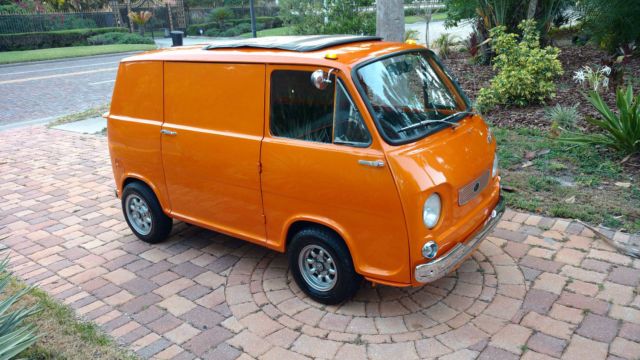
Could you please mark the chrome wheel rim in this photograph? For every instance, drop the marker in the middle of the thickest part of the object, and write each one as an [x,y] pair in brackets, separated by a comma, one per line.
[318,268]
[138,214]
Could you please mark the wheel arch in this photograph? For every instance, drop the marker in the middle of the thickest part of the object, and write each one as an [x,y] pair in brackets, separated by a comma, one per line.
[131,178]
[296,225]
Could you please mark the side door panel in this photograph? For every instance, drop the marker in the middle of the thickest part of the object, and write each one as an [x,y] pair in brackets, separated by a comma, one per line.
[325,182]
[211,147]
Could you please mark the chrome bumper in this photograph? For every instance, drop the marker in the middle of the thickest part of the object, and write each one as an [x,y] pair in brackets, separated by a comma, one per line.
[440,267]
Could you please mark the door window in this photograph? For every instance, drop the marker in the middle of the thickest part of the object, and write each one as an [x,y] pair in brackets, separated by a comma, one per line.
[349,126]
[301,111]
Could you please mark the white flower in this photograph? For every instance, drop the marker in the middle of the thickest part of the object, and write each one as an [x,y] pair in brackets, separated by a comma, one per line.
[605,82]
[579,76]
[606,70]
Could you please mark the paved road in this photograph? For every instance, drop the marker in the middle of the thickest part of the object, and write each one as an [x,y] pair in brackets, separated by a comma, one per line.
[37,92]
[42,91]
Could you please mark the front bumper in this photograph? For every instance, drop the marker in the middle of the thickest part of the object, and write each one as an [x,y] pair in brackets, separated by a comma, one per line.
[440,267]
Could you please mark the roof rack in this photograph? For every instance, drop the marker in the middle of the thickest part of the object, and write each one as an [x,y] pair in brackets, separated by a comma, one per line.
[291,43]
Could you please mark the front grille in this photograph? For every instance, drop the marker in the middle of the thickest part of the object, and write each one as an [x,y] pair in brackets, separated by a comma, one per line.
[472,189]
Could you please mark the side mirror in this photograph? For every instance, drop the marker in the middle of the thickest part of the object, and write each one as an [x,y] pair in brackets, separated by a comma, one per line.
[320,79]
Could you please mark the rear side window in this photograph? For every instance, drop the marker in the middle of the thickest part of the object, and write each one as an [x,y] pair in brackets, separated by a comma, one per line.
[301,111]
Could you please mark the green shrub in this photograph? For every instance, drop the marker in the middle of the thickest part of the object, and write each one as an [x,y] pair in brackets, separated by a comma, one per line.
[236,30]
[611,23]
[195,28]
[269,22]
[620,131]
[50,39]
[12,9]
[444,43]
[565,117]
[411,34]
[220,15]
[344,17]
[14,335]
[526,72]
[212,32]
[262,22]
[119,38]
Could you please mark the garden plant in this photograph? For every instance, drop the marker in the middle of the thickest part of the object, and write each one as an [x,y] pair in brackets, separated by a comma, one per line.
[526,72]
[620,131]
[15,336]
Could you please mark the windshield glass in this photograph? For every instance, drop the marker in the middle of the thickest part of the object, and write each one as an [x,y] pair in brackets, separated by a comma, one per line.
[406,92]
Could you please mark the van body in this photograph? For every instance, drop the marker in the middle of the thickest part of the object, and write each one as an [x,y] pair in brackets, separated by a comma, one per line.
[359,158]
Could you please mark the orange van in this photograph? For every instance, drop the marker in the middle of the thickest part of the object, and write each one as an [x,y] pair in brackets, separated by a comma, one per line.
[359,158]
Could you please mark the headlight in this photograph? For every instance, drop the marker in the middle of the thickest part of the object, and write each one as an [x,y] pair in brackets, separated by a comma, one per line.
[496,169]
[431,211]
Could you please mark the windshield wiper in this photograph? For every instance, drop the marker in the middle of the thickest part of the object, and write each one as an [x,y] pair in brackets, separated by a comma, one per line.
[432,121]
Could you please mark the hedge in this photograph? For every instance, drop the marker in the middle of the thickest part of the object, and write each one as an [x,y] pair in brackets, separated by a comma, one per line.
[119,38]
[50,39]
[265,22]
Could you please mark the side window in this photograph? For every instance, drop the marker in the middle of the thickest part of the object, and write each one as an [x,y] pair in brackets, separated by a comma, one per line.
[349,126]
[301,111]
[298,109]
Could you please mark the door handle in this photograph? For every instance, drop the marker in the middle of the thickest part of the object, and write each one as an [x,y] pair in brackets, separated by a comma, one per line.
[372,163]
[168,132]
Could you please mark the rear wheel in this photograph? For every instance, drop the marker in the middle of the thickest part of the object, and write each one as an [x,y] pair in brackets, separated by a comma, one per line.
[322,267]
[144,214]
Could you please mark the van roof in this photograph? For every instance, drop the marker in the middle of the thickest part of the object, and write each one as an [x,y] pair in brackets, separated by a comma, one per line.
[300,50]
[291,43]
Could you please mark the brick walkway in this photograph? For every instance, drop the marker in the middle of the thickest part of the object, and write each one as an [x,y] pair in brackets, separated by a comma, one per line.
[538,288]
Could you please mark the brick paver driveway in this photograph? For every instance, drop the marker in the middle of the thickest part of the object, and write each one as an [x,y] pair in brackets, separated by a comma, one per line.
[537,288]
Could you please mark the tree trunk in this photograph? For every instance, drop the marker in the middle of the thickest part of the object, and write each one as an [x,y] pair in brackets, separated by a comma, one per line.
[531,12]
[390,20]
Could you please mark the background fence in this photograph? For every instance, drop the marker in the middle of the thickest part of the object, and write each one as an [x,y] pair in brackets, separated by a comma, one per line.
[45,21]
[41,22]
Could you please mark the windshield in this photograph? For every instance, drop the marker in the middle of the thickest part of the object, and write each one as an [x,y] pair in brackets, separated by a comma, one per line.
[408,95]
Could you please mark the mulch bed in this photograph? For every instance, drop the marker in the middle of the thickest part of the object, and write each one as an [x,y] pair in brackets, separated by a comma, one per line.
[474,77]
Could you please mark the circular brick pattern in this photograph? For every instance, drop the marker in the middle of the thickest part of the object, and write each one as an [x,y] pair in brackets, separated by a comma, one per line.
[474,302]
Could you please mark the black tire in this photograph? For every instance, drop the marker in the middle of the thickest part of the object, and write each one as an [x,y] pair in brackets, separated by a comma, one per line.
[160,224]
[347,281]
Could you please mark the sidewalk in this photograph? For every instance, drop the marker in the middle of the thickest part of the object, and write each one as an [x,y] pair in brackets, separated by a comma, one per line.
[538,288]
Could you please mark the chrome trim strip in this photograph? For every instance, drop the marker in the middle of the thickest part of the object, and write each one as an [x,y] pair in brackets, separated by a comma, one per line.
[443,265]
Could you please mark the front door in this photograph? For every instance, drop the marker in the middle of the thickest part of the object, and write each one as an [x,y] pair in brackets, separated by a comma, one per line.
[320,162]
[214,121]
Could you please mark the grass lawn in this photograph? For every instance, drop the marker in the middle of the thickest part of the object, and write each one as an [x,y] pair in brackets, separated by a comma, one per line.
[285,30]
[67,52]
[63,336]
[569,181]
[412,19]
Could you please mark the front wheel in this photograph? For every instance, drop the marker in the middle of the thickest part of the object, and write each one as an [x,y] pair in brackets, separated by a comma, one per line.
[322,267]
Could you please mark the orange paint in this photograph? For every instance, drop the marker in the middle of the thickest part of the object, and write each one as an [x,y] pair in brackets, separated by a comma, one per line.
[224,170]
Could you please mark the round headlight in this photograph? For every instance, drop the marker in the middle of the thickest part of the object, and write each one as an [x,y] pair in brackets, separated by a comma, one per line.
[495,170]
[431,211]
